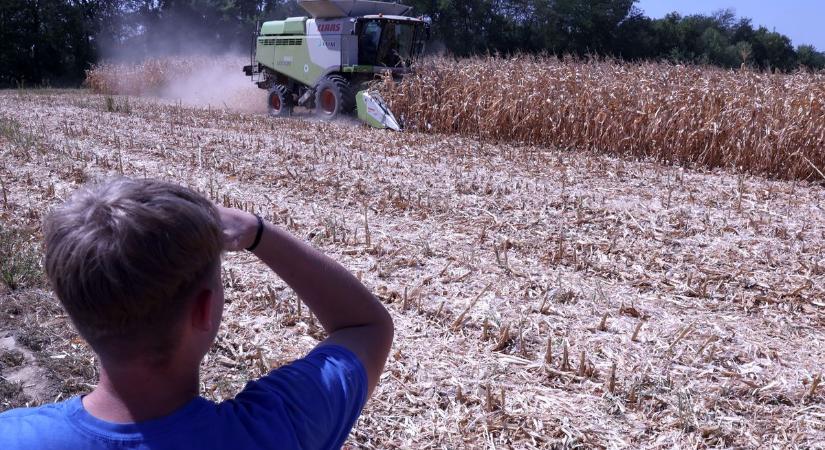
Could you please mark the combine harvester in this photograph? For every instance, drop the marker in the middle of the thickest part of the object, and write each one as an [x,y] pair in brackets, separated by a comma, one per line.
[325,62]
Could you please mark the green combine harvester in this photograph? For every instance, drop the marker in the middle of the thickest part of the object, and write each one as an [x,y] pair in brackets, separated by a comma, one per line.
[324,62]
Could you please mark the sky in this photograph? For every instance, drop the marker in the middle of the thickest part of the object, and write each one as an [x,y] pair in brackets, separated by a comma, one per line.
[801,20]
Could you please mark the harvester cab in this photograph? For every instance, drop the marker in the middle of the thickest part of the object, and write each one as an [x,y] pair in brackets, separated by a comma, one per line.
[326,60]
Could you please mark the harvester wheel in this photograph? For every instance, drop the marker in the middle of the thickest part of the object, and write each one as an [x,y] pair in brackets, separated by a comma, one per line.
[334,97]
[279,102]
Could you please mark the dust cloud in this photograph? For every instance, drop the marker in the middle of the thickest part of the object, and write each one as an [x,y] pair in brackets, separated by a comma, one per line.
[215,82]
[179,56]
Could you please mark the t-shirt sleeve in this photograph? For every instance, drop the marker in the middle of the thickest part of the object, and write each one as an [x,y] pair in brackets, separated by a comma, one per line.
[322,395]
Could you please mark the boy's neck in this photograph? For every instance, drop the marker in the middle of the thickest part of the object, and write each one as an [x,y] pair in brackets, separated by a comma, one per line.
[136,393]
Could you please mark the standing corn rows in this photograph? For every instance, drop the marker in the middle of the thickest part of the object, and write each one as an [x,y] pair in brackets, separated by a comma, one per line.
[770,124]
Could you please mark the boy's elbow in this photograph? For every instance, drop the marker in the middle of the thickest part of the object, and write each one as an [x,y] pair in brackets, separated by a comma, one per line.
[387,327]
[384,330]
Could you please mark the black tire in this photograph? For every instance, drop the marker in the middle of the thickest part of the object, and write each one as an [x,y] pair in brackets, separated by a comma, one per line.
[334,97]
[279,102]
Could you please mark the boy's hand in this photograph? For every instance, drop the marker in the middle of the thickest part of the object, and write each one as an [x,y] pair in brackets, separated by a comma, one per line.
[239,228]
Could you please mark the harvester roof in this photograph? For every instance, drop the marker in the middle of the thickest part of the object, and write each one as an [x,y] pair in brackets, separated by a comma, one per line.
[290,26]
[329,9]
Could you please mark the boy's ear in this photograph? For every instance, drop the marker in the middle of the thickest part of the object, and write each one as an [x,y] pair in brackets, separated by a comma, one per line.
[202,310]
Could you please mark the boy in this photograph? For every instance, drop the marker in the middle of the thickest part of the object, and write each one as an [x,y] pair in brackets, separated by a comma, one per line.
[136,265]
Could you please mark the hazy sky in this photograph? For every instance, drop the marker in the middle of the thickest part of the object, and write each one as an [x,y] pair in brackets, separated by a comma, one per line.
[801,20]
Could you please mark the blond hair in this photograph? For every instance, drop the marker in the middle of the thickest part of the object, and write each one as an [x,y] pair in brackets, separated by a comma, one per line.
[125,256]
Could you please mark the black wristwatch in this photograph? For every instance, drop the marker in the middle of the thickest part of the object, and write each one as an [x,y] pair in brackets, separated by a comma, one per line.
[258,234]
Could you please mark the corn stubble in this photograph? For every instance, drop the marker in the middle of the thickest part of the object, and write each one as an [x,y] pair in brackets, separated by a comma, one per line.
[769,124]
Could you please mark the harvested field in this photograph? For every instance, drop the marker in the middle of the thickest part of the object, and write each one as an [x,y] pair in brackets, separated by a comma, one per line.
[542,297]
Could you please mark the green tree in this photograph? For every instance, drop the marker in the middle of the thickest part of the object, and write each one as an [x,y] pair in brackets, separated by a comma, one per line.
[637,38]
[46,41]
[810,58]
[717,49]
[590,26]
[744,50]
[773,50]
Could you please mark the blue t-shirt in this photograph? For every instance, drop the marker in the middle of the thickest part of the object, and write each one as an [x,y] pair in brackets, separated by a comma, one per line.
[311,403]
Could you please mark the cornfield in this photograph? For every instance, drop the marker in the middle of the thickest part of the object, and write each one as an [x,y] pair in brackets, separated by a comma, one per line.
[147,77]
[762,123]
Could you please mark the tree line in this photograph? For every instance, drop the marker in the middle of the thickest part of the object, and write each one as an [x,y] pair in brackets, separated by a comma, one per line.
[54,41]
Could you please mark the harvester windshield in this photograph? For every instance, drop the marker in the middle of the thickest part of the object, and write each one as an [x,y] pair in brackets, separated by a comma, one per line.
[389,43]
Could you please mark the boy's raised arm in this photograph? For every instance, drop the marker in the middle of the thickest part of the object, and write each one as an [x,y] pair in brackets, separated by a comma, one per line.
[349,313]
